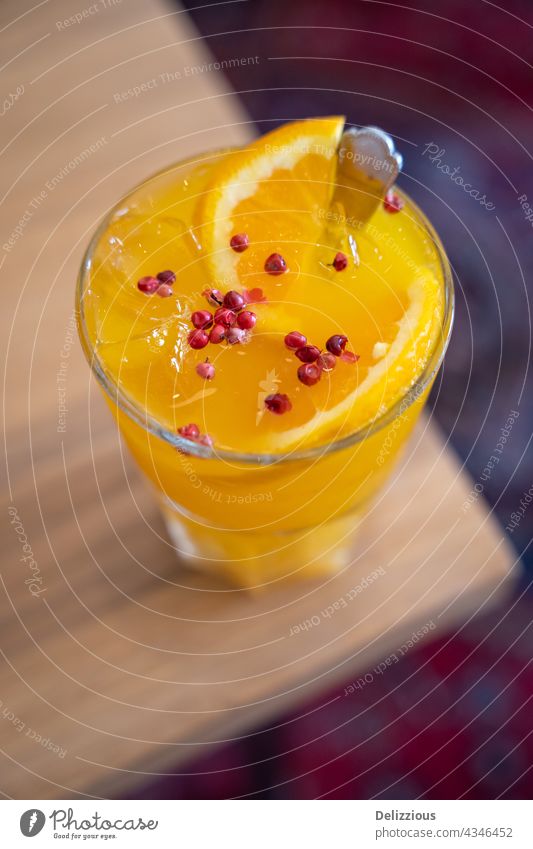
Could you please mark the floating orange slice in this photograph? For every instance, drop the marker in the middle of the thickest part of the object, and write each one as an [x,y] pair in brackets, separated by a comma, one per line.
[276,191]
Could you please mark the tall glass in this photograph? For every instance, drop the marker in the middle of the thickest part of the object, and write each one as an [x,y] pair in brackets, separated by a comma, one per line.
[256,518]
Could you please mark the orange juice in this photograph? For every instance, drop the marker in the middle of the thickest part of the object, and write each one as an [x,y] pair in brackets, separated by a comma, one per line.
[265,356]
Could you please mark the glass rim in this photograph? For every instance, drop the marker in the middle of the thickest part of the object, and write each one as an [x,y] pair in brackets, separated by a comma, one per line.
[141,417]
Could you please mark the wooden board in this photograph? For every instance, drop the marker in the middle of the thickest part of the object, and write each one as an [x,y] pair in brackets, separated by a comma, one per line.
[120,663]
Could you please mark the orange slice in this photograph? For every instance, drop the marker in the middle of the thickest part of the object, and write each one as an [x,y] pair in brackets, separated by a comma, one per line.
[276,191]
[386,381]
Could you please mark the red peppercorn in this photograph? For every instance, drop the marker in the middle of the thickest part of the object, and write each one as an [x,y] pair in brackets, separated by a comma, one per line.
[392,202]
[166,277]
[202,319]
[225,317]
[233,300]
[275,264]
[148,285]
[246,319]
[309,374]
[295,340]
[278,403]
[326,361]
[217,334]
[239,242]
[214,297]
[336,344]
[205,370]
[190,431]
[235,335]
[308,353]
[198,339]
[340,261]
[254,296]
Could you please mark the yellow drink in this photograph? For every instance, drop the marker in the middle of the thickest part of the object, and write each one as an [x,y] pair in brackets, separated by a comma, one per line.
[275,495]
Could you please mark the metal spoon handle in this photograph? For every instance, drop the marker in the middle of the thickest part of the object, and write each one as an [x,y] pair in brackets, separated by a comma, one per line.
[368,165]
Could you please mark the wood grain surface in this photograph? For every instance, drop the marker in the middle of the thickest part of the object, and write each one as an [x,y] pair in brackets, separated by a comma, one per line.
[114,662]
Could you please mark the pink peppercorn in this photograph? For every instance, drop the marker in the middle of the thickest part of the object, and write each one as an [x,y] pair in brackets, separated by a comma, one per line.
[309,374]
[166,277]
[214,297]
[275,264]
[148,285]
[246,319]
[190,431]
[340,261]
[278,403]
[392,202]
[202,319]
[308,353]
[205,370]
[233,300]
[235,335]
[239,242]
[295,340]
[217,334]
[326,361]
[225,316]
[336,344]
[198,339]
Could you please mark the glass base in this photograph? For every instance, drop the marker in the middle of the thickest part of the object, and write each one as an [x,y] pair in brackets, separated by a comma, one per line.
[255,559]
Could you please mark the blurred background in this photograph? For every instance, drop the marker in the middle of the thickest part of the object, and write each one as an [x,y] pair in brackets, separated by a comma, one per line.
[452,83]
